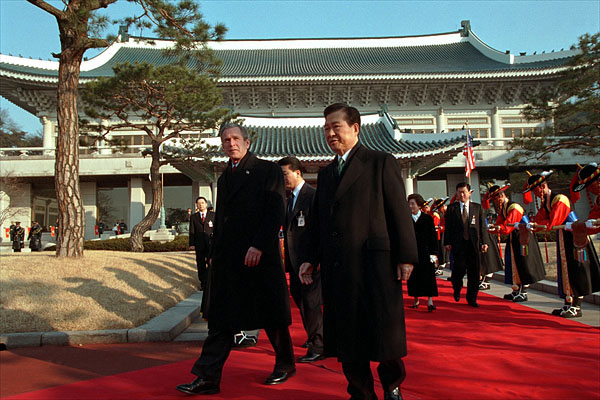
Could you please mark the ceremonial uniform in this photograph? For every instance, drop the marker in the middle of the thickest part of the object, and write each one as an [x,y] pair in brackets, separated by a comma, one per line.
[18,238]
[525,253]
[577,276]
[490,260]
[35,237]
[439,221]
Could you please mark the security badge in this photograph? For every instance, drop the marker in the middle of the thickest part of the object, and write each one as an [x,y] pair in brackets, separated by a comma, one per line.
[473,220]
[301,221]
[210,224]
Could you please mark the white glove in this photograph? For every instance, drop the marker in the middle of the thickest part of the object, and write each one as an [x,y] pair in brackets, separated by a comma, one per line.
[590,223]
[530,226]
[569,226]
[433,258]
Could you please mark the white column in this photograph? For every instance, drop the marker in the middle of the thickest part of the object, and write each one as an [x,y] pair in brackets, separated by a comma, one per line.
[137,201]
[440,120]
[88,196]
[409,186]
[48,138]
[474,181]
[196,190]
[496,133]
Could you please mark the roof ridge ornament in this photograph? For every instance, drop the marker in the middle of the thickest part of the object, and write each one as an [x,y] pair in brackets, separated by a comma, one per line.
[466,27]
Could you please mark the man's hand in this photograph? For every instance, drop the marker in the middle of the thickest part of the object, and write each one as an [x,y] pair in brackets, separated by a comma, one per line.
[305,273]
[252,257]
[448,247]
[192,248]
[404,271]
[484,248]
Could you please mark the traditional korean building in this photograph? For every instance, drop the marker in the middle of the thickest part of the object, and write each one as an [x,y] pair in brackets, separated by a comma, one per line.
[417,94]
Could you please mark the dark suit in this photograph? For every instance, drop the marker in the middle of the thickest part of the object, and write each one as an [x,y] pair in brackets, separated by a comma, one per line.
[200,237]
[297,245]
[363,229]
[249,213]
[465,251]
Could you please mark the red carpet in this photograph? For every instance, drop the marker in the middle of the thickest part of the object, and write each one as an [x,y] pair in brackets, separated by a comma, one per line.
[501,350]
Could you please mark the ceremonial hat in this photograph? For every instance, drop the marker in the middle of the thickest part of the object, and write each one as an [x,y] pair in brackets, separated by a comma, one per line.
[428,202]
[536,180]
[493,191]
[585,176]
[438,203]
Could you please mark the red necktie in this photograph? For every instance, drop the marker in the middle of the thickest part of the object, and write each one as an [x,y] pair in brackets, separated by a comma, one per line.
[203,217]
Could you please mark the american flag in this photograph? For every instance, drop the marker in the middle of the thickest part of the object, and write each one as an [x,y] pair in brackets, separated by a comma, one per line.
[468,153]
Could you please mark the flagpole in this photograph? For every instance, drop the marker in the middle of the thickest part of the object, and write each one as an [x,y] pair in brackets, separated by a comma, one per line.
[466,158]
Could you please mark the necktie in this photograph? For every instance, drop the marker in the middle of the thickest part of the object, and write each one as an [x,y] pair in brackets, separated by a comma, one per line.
[290,209]
[202,215]
[340,166]
[465,218]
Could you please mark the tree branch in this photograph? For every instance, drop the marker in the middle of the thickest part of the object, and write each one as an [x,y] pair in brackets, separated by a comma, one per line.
[48,8]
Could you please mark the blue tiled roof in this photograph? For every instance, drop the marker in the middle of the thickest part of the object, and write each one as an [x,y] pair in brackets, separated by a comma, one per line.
[440,59]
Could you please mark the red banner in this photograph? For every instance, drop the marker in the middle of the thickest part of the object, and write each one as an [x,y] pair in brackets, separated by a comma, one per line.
[52,231]
[7,232]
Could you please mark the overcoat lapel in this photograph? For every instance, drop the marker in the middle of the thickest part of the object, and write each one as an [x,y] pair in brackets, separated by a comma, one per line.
[352,173]
[238,180]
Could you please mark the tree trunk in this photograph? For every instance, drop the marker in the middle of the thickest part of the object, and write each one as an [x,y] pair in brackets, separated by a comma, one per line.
[66,169]
[135,241]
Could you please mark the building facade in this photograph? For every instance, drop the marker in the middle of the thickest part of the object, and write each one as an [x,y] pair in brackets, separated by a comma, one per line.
[418,95]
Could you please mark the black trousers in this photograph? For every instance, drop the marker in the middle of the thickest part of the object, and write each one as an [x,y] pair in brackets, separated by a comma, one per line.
[308,299]
[201,263]
[217,347]
[360,379]
[466,262]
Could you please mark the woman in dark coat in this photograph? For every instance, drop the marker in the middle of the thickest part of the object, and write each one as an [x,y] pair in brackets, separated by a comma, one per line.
[422,281]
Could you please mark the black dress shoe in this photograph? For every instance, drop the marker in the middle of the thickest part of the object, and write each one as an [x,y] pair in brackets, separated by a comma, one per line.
[199,386]
[310,357]
[456,297]
[431,307]
[305,345]
[393,395]
[473,304]
[278,377]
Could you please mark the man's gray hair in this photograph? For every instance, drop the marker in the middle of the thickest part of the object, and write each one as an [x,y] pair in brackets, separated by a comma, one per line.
[230,125]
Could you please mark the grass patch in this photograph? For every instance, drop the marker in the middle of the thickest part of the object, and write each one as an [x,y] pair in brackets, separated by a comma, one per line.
[103,290]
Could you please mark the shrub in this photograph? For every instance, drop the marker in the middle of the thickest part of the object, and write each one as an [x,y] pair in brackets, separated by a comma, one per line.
[180,243]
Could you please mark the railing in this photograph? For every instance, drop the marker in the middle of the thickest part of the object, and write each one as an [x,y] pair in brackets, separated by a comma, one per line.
[98,151]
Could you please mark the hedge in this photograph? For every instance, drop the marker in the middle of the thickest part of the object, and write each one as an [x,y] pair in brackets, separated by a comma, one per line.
[180,243]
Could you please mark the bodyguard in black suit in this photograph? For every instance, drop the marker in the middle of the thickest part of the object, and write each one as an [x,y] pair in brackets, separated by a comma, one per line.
[365,245]
[465,230]
[297,244]
[248,288]
[202,224]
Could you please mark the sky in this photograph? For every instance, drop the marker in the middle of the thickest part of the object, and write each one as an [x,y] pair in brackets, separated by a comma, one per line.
[518,26]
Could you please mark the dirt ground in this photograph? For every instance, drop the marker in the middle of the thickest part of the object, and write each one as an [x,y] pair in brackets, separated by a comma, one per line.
[103,290]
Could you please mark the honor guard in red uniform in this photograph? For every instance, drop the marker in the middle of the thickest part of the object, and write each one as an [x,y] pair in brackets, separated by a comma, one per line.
[522,250]
[577,274]
[588,177]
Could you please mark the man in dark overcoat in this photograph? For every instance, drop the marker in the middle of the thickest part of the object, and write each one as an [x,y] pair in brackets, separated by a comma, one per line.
[465,230]
[248,288]
[365,244]
[202,224]
[297,243]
